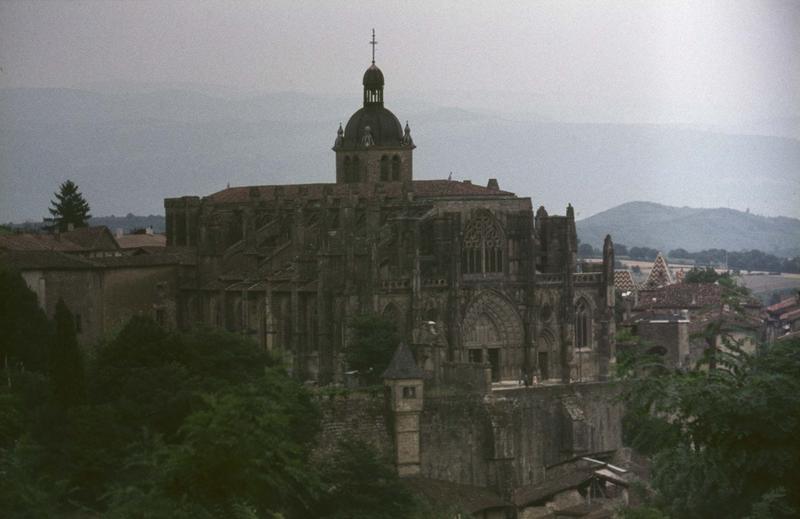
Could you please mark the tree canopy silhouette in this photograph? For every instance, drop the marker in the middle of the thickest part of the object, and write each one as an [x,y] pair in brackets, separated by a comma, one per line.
[69,208]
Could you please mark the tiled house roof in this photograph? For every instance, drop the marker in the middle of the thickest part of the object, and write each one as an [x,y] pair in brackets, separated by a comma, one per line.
[56,260]
[92,238]
[44,260]
[136,241]
[680,296]
[84,239]
[783,305]
[623,281]
[40,242]
[660,275]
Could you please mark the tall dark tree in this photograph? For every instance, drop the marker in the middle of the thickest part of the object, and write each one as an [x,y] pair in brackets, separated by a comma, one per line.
[69,208]
[65,363]
[24,329]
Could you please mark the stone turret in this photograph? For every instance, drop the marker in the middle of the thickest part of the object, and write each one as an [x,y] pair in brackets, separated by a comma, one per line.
[404,387]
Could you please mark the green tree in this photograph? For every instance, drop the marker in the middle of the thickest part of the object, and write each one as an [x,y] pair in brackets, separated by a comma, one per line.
[372,345]
[703,275]
[244,448]
[724,441]
[679,253]
[69,208]
[24,328]
[65,361]
[358,483]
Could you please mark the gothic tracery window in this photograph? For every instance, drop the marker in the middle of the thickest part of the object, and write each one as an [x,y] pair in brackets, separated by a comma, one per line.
[483,246]
[583,325]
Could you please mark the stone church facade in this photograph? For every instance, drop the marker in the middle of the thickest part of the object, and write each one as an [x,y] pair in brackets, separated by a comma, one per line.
[471,275]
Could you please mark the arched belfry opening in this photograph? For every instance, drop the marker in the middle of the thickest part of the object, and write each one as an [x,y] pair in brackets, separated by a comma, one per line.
[374,136]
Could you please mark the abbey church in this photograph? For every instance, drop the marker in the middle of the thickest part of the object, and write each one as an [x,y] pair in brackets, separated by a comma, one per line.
[469,273]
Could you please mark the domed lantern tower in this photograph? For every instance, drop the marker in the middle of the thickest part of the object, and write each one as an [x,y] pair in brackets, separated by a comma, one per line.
[373,147]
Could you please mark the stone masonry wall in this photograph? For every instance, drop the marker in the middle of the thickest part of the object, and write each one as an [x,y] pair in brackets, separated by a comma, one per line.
[505,440]
[355,415]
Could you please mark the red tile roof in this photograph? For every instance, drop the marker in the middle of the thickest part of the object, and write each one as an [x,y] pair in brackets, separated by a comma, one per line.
[79,240]
[44,260]
[791,316]
[680,295]
[97,238]
[33,242]
[784,304]
[421,188]
[135,241]
[55,260]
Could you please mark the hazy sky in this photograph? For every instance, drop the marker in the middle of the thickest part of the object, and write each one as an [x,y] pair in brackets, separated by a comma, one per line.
[726,66]
[703,62]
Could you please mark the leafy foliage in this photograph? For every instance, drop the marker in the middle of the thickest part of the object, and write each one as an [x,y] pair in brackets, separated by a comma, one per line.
[372,345]
[359,484]
[642,253]
[69,208]
[196,425]
[724,440]
[65,363]
[24,328]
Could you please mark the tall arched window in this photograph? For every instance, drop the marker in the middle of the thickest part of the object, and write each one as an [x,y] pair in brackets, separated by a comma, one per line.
[395,168]
[483,246]
[384,168]
[583,325]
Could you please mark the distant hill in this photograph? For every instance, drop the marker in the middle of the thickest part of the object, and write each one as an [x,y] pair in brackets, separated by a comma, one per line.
[127,223]
[663,227]
[130,222]
[129,151]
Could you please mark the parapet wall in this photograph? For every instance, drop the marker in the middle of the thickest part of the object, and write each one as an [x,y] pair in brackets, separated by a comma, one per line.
[504,440]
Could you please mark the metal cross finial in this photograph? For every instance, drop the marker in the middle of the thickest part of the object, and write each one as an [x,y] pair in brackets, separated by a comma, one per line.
[373,43]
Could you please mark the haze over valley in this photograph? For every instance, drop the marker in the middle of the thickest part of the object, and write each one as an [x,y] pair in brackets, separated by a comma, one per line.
[128,151]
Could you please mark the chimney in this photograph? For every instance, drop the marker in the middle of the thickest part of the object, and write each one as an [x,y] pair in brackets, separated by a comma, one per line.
[149,230]
[467,182]
[493,184]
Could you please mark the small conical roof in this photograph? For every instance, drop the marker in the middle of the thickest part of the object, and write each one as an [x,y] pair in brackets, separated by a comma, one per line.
[403,365]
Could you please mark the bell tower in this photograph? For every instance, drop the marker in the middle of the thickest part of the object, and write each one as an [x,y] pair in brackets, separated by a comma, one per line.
[373,147]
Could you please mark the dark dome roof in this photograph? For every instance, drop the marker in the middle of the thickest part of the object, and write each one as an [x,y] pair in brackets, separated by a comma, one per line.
[373,77]
[383,125]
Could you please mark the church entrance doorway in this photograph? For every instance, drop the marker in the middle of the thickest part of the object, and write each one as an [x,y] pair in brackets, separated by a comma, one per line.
[544,368]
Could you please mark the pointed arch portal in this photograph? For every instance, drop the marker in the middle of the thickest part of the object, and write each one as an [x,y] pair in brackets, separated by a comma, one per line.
[492,332]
